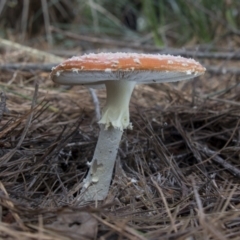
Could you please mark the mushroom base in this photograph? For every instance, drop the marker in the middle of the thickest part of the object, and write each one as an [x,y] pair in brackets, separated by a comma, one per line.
[116,111]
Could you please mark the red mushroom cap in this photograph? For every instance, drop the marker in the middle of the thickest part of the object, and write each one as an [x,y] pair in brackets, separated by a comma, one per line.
[142,68]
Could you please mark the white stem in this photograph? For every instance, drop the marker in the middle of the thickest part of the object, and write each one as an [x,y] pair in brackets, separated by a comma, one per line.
[115,118]
[97,182]
[116,111]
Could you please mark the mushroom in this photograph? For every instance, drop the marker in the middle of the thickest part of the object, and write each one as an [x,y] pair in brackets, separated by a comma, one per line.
[119,72]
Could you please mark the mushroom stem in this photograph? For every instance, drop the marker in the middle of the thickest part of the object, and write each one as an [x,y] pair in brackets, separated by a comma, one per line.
[116,111]
[96,184]
[115,118]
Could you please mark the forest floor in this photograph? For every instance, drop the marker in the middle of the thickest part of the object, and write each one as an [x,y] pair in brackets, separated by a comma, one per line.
[177,173]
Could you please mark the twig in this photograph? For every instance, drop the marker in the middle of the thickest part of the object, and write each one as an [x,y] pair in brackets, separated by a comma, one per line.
[94,16]
[166,205]
[29,66]
[197,148]
[24,19]
[8,156]
[38,54]
[47,22]
[9,89]
[2,104]
[94,39]
[106,13]
[96,103]
[216,158]
[123,230]
[222,91]
[225,70]
[164,155]
[203,220]
[2,4]
[19,153]
[61,8]
[224,101]
[11,206]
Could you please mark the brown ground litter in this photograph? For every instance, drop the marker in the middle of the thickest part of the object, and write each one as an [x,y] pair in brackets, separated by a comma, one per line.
[177,173]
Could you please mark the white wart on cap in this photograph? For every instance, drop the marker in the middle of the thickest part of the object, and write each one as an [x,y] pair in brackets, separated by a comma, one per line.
[120,72]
